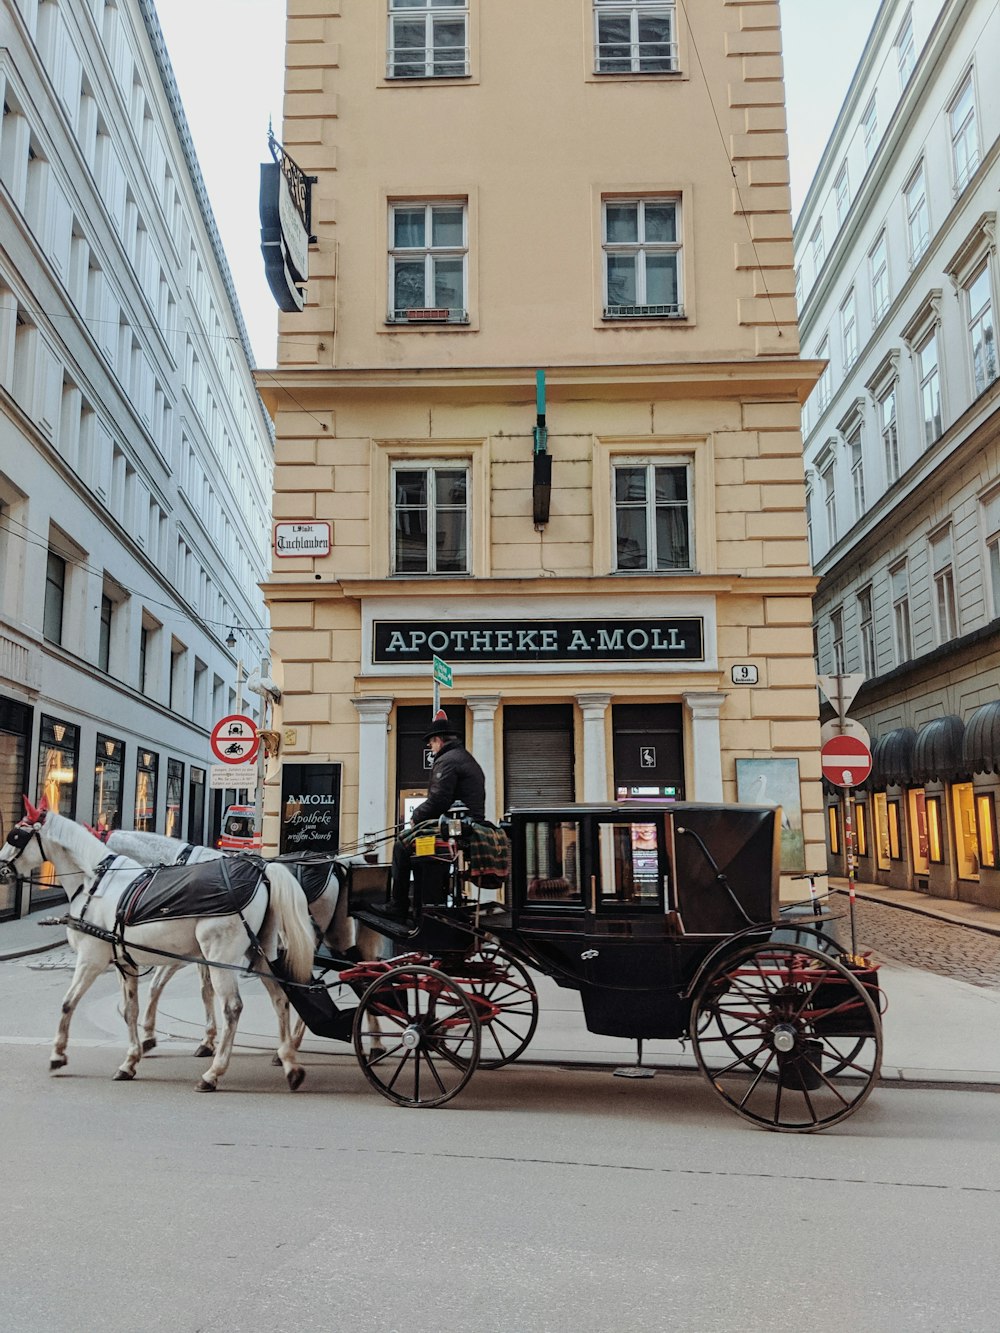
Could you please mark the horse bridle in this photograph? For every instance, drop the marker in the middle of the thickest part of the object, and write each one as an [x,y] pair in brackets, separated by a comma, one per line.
[20,837]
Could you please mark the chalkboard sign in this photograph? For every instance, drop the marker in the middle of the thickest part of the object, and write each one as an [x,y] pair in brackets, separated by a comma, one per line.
[310,807]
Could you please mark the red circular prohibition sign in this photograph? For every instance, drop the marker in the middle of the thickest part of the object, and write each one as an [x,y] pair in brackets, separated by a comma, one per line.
[846,761]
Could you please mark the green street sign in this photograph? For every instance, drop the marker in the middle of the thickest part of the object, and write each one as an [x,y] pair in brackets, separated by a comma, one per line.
[442,673]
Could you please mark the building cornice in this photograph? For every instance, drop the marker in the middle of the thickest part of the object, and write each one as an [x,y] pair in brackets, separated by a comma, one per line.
[791,378]
[309,587]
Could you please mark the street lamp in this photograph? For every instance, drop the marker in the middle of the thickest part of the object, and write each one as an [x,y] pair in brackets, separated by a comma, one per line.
[231,639]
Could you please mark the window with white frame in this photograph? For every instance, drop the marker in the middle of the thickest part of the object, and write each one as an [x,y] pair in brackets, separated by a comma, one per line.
[430,518]
[428,262]
[817,248]
[943,573]
[642,258]
[866,628]
[830,502]
[653,521]
[842,193]
[890,434]
[964,138]
[906,55]
[879,264]
[991,532]
[635,36]
[428,39]
[823,383]
[918,227]
[869,130]
[857,470]
[982,334]
[849,329]
[837,638]
[899,584]
[930,387]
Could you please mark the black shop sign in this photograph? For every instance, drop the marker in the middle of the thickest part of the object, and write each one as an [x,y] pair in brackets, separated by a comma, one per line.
[397,642]
[310,808]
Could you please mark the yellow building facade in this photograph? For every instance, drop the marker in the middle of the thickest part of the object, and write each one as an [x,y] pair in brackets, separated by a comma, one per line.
[597,190]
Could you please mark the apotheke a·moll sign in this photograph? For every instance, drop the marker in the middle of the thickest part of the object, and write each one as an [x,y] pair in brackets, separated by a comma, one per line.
[400,642]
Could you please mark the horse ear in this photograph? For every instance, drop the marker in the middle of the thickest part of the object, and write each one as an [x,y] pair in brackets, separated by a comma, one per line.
[43,805]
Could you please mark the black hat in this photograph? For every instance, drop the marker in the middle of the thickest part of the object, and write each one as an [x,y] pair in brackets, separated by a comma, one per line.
[440,726]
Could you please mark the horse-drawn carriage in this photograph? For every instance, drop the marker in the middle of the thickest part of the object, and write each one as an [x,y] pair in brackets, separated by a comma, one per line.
[665,919]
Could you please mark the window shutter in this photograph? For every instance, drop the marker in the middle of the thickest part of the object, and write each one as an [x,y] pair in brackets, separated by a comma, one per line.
[538,767]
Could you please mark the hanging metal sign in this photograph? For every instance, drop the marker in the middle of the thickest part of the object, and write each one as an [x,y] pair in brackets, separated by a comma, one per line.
[285,226]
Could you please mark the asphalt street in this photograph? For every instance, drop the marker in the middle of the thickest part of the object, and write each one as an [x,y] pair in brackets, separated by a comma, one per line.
[542,1200]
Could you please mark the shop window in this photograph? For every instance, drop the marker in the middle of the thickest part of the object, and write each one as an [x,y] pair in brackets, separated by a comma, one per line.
[881,830]
[175,798]
[963,809]
[986,825]
[918,830]
[57,766]
[935,834]
[895,840]
[861,828]
[145,791]
[196,805]
[552,863]
[833,824]
[109,762]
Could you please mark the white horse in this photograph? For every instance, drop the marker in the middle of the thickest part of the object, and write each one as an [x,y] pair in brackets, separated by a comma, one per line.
[275,905]
[328,911]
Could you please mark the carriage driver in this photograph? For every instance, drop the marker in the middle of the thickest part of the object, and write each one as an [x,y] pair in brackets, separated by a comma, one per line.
[455,776]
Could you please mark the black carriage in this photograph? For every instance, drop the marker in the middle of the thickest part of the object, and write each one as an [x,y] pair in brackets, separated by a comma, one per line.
[666,920]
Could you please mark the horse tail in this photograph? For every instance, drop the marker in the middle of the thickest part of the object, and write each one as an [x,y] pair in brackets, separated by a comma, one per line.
[291,914]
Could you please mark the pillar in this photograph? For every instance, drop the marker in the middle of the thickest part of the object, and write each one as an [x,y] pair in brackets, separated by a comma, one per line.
[706,745]
[595,751]
[483,708]
[373,763]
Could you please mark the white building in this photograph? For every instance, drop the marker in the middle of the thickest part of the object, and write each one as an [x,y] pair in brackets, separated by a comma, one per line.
[135,456]
[898,283]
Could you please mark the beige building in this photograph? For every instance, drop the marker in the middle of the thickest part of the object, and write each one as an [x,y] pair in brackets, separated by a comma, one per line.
[596,190]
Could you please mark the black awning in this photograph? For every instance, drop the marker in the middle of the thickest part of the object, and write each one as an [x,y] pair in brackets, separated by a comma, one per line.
[937,755]
[892,759]
[981,742]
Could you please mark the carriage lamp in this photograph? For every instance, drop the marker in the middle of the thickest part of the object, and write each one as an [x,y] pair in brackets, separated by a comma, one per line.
[454,828]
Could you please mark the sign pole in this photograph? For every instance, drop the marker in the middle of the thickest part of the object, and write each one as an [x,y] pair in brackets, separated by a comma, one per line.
[437,698]
[849,841]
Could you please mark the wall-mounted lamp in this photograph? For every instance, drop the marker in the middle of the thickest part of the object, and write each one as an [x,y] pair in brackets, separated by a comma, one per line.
[231,639]
[59,731]
[109,748]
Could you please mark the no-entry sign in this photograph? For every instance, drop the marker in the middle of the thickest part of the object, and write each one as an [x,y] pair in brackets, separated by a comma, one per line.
[846,761]
[234,739]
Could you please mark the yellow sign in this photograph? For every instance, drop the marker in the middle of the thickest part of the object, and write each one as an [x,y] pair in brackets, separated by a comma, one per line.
[424,846]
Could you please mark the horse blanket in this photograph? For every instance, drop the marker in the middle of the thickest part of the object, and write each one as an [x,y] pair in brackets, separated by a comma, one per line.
[312,870]
[207,888]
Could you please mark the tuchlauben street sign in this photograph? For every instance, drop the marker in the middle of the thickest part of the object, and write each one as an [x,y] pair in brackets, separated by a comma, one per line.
[399,642]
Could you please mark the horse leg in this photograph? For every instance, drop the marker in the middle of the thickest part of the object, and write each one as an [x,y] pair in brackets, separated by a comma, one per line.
[298,1033]
[89,967]
[207,1046]
[224,984]
[130,1009]
[160,978]
[287,1050]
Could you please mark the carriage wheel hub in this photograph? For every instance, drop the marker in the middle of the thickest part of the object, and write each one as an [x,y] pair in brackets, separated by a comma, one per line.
[783,1037]
[412,1037]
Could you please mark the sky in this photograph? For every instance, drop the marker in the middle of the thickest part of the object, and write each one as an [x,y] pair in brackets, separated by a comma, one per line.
[228,61]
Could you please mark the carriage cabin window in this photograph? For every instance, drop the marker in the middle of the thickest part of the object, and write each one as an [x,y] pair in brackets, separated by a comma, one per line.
[629,864]
[552,863]
[431,519]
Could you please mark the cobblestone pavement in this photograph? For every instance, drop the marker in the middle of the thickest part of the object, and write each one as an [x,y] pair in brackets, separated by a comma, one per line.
[897,935]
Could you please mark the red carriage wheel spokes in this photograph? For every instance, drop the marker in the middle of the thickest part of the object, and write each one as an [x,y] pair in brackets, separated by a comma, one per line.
[788,1036]
[506,994]
[429,1029]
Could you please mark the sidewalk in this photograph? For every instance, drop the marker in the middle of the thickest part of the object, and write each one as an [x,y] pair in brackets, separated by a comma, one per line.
[986,919]
[935,1029]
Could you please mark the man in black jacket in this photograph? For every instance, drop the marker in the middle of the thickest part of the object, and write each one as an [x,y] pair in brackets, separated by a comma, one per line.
[455,776]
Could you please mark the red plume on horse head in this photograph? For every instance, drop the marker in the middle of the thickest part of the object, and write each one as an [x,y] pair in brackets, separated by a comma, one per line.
[36,813]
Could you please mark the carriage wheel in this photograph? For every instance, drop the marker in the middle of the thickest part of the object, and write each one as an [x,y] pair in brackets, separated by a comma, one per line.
[505,983]
[429,1036]
[788,1037]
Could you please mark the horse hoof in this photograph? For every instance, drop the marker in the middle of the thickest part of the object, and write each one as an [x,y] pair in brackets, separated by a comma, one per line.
[203,1052]
[124,1076]
[148,1044]
[203,1085]
[295,1077]
[275,1059]
[57,1064]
